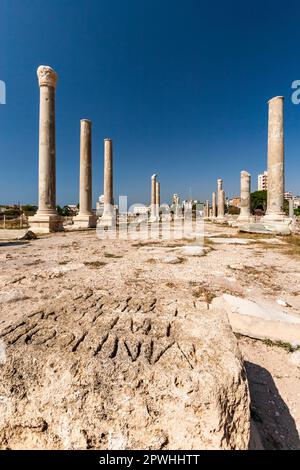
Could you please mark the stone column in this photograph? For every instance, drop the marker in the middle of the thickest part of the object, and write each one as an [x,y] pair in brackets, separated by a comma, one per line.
[214,205]
[85,218]
[157,198]
[221,200]
[245,212]
[206,211]
[108,209]
[153,211]
[46,218]
[275,160]
[291,208]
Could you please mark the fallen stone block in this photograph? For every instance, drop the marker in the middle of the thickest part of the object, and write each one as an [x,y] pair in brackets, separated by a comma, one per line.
[258,320]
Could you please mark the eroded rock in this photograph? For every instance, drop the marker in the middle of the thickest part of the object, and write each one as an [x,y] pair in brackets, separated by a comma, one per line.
[127,372]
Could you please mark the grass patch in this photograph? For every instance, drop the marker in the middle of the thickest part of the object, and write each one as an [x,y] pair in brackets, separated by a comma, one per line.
[204,294]
[270,343]
[171,285]
[253,236]
[94,264]
[63,262]
[292,246]
[151,261]
[140,244]
[111,255]
[280,344]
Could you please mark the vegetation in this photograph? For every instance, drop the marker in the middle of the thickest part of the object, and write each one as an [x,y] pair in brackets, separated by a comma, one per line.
[297,212]
[233,210]
[94,264]
[259,200]
[64,211]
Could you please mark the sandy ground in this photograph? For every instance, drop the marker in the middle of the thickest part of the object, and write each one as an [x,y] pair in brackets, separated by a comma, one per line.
[32,272]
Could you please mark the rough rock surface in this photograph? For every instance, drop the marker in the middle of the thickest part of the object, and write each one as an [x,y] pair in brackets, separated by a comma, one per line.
[95,370]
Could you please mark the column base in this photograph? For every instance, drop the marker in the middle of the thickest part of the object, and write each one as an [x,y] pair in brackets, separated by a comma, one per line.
[106,221]
[273,227]
[244,219]
[40,223]
[281,217]
[84,221]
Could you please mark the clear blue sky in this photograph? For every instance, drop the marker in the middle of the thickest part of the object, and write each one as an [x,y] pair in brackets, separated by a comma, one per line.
[181,86]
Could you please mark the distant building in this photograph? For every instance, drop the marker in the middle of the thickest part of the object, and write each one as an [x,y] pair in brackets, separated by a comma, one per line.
[236,202]
[288,195]
[296,202]
[140,209]
[262,184]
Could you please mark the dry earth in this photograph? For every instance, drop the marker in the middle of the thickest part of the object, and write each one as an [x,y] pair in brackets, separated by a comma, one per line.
[44,280]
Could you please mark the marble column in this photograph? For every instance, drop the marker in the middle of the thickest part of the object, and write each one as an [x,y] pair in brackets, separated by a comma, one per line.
[108,209]
[157,198]
[245,212]
[214,205]
[291,208]
[153,212]
[85,217]
[221,200]
[46,219]
[275,193]
[206,211]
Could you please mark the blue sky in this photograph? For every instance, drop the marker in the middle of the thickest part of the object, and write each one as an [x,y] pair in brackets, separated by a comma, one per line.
[181,86]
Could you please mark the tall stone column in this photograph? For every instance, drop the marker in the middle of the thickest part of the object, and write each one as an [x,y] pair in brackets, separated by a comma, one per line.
[157,198]
[108,210]
[275,194]
[85,218]
[291,208]
[221,200]
[153,211]
[206,211]
[214,205]
[46,218]
[245,212]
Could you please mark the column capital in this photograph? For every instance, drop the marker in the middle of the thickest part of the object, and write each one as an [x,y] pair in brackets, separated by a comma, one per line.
[46,76]
[276,98]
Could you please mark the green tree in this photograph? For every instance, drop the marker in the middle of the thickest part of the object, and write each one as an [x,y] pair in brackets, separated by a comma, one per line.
[59,210]
[259,200]
[297,212]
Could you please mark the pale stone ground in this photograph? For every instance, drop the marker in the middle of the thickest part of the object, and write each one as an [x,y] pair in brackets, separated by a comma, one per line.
[34,272]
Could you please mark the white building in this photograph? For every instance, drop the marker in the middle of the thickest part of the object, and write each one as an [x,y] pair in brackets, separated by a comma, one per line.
[288,195]
[262,184]
[140,209]
[296,202]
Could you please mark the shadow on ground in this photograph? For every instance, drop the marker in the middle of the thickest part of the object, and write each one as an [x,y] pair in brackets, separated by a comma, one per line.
[269,412]
[12,243]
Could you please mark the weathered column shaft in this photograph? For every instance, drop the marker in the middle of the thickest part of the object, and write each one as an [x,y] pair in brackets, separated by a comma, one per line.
[221,204]
[85,186]
[108,177]
[157,197]
[206,212]
[214,205]
[47,147]
[221,199]
[245,195]
[275,159]
[153,197]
